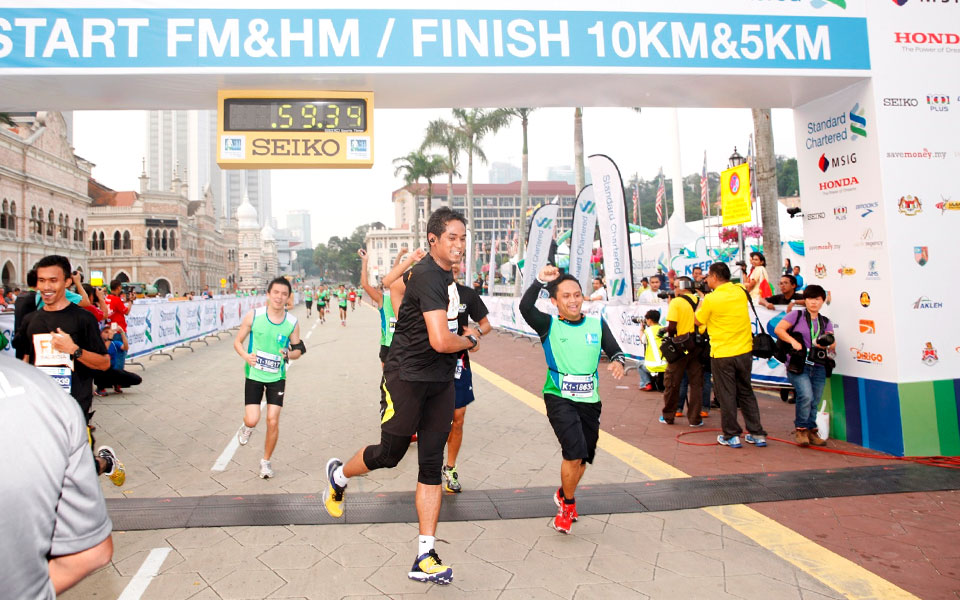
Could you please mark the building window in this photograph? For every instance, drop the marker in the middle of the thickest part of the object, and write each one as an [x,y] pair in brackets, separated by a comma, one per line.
[173,241]
[76,230]
[93,242]
[156,240]
[51,225]
[149,239]
[117,245]
[3,214]
[102,245]
[126,240]
[163,241]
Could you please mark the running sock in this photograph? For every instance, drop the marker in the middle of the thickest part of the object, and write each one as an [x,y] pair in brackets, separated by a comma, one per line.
[425,544]
[339,478]
[569,501]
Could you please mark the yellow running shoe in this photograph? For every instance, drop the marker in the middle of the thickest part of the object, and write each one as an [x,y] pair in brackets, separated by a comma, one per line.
[117,474]
[429,569]
[333,501]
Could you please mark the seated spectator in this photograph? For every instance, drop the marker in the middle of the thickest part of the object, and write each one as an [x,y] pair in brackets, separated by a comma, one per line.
[599,291]
[788,294]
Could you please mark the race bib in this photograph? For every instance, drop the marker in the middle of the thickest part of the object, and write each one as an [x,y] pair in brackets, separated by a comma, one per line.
[45,355]
[268,363]
[459,370]
[392,326]
[577,386]
[61,375]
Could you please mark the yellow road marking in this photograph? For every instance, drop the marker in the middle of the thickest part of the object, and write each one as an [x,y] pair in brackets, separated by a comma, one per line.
[835,571]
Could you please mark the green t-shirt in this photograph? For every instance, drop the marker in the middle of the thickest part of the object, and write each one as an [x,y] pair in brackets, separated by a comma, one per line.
[266,341]
[388,320]
[572,351]
[308,295]
[342,298]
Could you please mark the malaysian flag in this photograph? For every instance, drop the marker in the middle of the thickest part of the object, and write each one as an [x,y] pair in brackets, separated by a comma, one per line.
[636,203]
[704,187]
[660,195]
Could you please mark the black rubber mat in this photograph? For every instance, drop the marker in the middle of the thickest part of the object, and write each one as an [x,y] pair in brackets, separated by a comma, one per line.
[482,505]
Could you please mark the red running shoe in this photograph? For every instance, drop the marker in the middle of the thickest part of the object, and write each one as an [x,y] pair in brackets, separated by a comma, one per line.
[647,388]
[562,521]
[571,508]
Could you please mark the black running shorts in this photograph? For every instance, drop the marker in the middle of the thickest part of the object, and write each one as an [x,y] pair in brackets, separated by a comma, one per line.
[464,387]
[577,425]
[253,392]
[407,407]
[309,303]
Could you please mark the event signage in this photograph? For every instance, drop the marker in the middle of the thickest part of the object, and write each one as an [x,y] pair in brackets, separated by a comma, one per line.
[273,129]
[78,38]
[614,233]
[735,195]
[581,238]
[542,227]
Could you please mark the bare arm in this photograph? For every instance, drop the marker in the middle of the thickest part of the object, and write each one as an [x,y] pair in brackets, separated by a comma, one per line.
[443,340]
[66,571]
[397,290]
[371,291]
[123,336]
[402,266]
[242,334]
[84,298]
[484,326]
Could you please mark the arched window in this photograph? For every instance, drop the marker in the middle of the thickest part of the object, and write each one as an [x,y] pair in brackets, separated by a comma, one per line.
[76,230]
[83,231]
[51,224]
[116,240]
[173,241]
[126,240]
[156,240]
[12,217]
[149,239]
[102,245]
[3,214]
[163,241]
[65,232]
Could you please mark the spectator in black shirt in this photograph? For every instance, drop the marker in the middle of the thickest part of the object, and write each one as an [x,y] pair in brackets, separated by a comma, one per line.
[418,389]
[26,303]
[788,294]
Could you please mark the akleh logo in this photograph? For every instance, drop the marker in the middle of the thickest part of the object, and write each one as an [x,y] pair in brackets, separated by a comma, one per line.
[925,303]
[865,356]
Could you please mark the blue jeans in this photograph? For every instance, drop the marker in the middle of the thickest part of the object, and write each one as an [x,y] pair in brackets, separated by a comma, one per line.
[644,375]
[809,387]
[705,395]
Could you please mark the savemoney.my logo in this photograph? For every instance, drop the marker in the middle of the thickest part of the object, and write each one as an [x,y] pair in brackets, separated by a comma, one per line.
[858,123]
[544,222]
[588,207]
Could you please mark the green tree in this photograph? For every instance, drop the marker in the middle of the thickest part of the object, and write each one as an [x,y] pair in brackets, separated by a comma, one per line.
[441,135]
[788,180]
[416,166]
[472,126]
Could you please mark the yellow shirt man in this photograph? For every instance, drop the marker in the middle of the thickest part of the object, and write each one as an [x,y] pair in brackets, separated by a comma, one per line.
[726,314]
[681,312]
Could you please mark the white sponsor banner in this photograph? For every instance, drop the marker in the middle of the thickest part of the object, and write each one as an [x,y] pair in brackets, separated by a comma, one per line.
[614,233]
[542,226]
[505,314]
[581,238]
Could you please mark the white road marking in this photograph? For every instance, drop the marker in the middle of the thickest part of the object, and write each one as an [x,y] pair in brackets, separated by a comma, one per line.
[148,570]
[309,333]
[227,453]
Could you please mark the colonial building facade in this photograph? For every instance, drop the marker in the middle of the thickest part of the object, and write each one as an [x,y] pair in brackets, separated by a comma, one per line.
[43,196]
[161,238]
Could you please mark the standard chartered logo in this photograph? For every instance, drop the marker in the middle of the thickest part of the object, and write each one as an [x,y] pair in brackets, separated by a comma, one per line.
[176,319]
[858,123]
[589,207]
[544,222]
[618,287]
[148,331]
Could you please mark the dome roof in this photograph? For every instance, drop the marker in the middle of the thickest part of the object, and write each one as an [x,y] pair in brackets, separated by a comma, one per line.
[267,234]
[247,215]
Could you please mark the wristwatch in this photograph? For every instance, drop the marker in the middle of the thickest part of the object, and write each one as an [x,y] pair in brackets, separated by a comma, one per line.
[473,339]
[76,353]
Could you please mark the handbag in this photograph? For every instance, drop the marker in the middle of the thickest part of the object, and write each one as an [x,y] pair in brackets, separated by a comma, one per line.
[764,346]
[671,350]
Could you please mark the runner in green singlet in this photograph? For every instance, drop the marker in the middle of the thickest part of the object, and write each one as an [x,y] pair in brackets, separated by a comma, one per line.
[381,299]
[308,299]
[342,304]
[322,295]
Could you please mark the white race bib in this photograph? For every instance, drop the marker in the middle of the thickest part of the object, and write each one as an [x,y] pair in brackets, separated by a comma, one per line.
[577,386]
[269,363]
[392,326]
[45,355]
[459,370]
[61,375]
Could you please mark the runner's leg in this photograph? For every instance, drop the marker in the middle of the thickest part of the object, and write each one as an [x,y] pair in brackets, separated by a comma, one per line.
[455,438]
[273,430]
[251,415]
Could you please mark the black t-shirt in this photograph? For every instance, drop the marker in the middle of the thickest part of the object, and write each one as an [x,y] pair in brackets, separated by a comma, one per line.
[428,288]
[781,299]
[82,328]
[471,307]
[26,303]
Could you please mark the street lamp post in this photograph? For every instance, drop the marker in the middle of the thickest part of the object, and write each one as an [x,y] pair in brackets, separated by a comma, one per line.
[736,160]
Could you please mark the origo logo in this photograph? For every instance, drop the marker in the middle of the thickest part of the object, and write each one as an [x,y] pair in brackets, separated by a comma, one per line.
[858,123]
[826,163]
[865,356]
[867,326]
[544,222]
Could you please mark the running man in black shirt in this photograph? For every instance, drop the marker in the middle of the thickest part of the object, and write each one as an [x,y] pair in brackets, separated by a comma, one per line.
[571,342]
[418,389]
[63,340]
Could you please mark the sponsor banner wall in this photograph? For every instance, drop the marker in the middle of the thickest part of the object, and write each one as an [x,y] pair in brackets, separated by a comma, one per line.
[542,227]
[581,239]
[614,233]
[846,233]
[156,324]
[505,314]
[917,109]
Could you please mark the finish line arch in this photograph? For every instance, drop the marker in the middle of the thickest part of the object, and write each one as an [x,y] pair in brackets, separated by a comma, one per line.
[873,86]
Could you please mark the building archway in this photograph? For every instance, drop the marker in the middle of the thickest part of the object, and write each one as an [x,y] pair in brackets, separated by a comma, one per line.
[163,286]
[121,277]
[9,274]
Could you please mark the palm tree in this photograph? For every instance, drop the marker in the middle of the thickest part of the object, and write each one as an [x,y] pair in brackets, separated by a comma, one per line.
[766,182]
[442,135]
[578,171]
[524,115]
[414,167]
[472,126]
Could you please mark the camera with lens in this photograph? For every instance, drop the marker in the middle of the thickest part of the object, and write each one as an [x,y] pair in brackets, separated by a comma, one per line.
[664,294]
[702,286]
[826,340]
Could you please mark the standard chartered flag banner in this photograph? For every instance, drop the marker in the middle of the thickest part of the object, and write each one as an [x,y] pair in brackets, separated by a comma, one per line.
[581,238]
[614,233]
[542,226]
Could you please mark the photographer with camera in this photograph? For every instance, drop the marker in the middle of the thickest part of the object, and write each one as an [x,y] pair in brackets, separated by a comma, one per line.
[653,365]
[809,337]
[686,335]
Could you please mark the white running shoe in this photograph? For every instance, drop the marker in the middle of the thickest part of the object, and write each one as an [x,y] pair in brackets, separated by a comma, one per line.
[243,434]
[265,471]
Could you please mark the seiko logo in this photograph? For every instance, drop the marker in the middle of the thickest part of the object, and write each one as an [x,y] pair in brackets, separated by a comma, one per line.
[295,147]
[901,102]
[816,215]
[838,184]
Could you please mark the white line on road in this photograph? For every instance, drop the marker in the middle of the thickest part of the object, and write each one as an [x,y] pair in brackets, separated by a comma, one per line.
[227,454]
[309,333]
[148,570]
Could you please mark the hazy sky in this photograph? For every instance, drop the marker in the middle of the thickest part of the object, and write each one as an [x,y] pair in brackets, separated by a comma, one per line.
[340,200]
